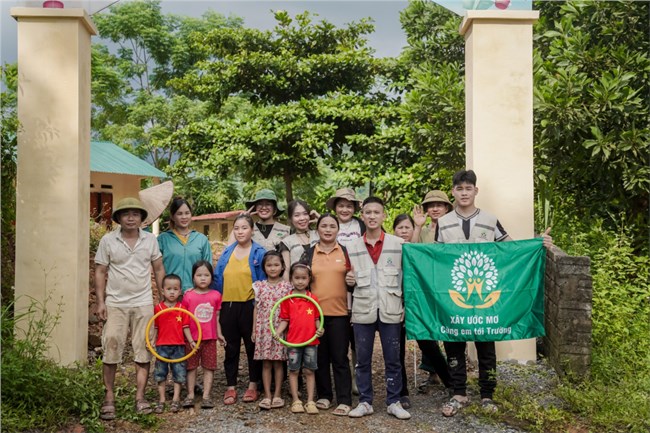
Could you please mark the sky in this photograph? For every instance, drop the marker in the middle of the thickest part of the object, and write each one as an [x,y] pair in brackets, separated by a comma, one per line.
[387,40]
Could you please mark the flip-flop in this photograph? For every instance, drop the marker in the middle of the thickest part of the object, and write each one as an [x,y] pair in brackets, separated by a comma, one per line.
[207,403]
[452,407]
[277,403]
[297,407]
[323,403]
[311,408]
[250,396]
[107,412]
[265,404]
[230,397]
[142,407]
[341,410]
[160,407]
[488,405]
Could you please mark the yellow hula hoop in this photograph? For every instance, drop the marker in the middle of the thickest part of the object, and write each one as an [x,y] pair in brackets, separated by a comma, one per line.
[148,340]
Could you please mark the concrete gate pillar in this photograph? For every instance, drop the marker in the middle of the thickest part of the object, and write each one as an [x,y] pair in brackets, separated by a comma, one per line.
[53,179]
[499,125]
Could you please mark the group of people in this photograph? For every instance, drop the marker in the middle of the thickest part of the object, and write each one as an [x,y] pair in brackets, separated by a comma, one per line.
[348,266]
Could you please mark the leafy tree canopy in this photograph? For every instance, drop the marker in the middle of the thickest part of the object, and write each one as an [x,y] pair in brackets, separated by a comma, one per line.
[310,87]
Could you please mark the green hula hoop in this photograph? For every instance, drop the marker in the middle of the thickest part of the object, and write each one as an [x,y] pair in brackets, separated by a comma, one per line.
[275,307]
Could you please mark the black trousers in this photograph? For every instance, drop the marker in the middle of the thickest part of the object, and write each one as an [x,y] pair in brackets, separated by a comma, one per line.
[333,352]
[402,357]
[431,350]
[487,367]
[236,320]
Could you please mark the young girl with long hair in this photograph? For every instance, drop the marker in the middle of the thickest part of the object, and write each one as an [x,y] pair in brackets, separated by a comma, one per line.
[271,352]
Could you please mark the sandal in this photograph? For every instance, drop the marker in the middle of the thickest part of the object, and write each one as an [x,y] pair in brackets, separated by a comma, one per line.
[277,403]
[250,396]
[142,407]
[488,405]
[341,410]
[296,407]
[207,403]
[311,408]
[160,407]
[107,412]
[323,403]
[230,397]
[188,402]
[265,404]
[175,406]
[452,407]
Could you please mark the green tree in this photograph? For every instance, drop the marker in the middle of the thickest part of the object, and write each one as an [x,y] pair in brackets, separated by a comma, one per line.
[591,88]
[309,86]
[421,142]
[132,102]
[592,71]
[9,141]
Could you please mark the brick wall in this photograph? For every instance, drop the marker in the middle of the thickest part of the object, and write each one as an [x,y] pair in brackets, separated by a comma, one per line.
[567,306]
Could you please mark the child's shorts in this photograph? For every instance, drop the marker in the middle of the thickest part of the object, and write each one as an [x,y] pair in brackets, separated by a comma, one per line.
[206,356]
[178,369]
[303,357]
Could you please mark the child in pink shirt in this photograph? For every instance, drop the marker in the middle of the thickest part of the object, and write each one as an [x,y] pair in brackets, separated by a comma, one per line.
[205,304]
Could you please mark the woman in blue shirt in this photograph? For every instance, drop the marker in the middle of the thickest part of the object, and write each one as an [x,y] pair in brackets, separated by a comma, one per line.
[181,246]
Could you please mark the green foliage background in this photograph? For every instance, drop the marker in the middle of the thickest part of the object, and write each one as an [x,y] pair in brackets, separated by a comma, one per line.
[306,108]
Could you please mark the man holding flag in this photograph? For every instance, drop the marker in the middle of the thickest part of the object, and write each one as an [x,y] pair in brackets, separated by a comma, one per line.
[478,309]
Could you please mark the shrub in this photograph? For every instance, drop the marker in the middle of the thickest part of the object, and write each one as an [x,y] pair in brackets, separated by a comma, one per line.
[97,231]
[36,392]
[617,395]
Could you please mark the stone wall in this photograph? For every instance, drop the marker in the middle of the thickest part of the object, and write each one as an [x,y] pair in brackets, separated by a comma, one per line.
[567,306]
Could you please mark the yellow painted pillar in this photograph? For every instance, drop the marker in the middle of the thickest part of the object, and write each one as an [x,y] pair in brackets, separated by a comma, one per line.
[52,186]
[499,125]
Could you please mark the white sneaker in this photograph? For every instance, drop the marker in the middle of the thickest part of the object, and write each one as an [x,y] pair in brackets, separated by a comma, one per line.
[398,411]
[362,410]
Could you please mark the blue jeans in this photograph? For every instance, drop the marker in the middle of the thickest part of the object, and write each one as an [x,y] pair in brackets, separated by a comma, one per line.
[364,340]
[306,357]
[178,369]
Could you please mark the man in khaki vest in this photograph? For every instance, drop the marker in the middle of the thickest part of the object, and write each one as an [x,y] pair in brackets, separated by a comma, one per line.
[469,224]
[377,306]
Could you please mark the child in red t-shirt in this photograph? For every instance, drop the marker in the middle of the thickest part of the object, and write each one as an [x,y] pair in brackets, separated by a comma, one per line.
[172,329]
[302,319]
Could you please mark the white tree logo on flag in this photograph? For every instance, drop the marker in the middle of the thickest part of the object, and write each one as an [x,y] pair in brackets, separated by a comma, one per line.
[474,272]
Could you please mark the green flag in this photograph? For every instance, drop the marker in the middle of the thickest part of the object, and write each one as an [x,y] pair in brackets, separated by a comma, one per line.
[489,291]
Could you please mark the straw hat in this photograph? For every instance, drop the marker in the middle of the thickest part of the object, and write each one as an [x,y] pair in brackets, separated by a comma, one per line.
[129,203]
[265,194]
[346,193]
[436,196]
[155,200]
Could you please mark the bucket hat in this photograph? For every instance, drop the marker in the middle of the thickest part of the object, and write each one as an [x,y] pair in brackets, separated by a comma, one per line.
[129,203]
[265,194]
[346,193]
[436,196]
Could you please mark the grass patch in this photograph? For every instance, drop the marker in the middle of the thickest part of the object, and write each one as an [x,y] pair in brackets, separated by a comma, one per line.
[615,396]
[38,394]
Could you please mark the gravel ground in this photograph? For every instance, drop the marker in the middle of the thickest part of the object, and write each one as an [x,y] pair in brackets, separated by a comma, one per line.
[426,417]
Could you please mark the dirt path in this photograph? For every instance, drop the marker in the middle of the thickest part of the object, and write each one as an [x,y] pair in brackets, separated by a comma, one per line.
[248,418]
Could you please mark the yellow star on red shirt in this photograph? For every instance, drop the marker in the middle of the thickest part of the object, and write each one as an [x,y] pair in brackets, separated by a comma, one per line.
[179,319]
[310,311]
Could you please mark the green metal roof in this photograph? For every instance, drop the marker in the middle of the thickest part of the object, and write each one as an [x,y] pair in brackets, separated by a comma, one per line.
[107,157]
